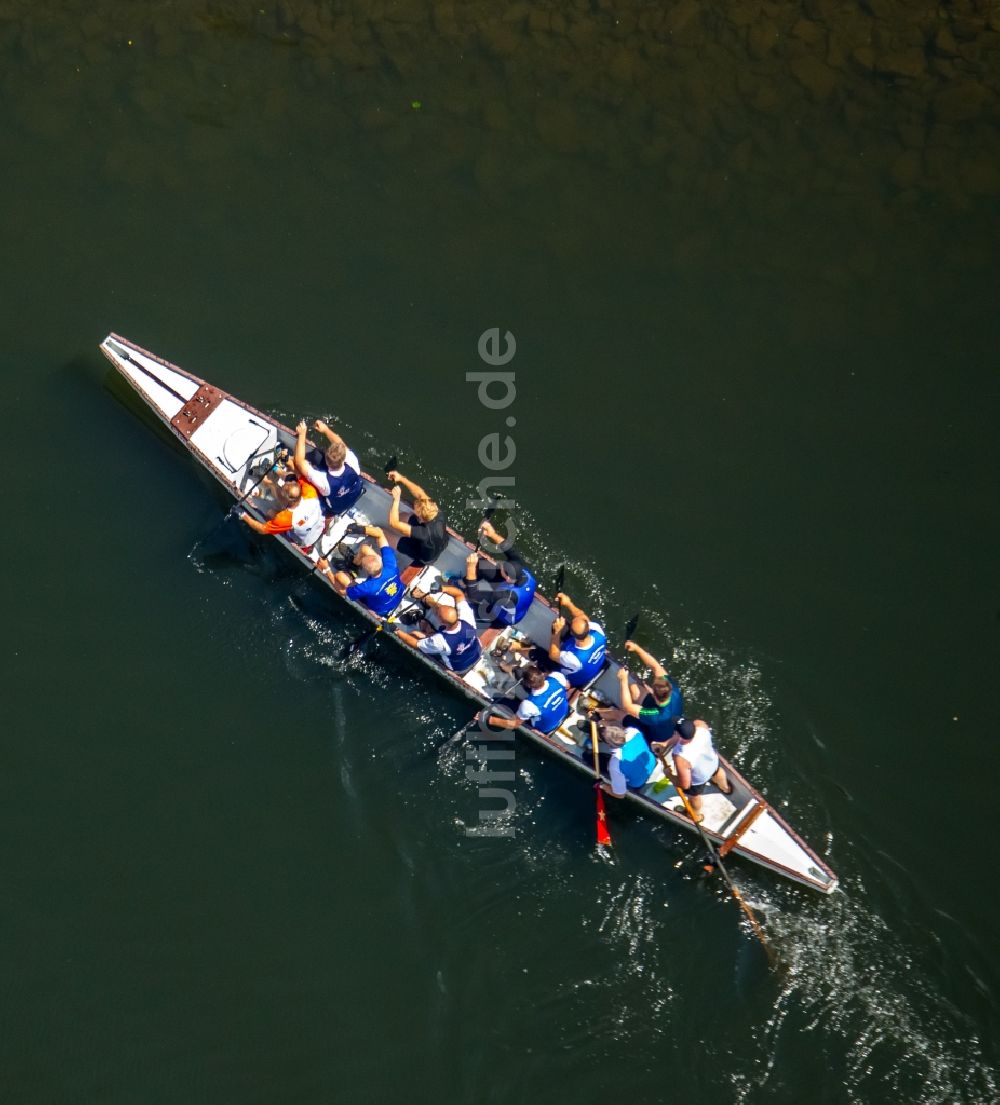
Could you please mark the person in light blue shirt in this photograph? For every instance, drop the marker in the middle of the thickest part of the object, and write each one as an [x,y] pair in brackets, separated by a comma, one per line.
[632,764]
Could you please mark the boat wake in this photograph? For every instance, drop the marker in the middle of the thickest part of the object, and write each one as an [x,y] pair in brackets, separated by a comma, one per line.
[874,1010]
[880,1024]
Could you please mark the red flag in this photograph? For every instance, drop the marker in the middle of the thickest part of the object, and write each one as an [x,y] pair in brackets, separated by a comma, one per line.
[603,836]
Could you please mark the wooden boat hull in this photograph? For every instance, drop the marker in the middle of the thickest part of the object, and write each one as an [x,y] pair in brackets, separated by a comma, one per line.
[229,438]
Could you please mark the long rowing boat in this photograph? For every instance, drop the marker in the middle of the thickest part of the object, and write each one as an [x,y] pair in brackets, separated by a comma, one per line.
[237,443]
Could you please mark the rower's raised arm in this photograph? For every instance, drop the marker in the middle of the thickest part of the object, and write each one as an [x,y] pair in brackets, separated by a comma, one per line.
[564,600]
[488,530]
[555,641]
[321,427]
[500,542]
[415,490]
[628,704]
[647,658]
[300,447]
[394,523]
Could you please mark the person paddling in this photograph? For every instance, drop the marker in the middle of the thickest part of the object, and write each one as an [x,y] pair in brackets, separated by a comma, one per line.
[654,716]
[300,518]
[581,654]
[425,532]
[381,588]
[631,764]
[546,706]
[335,472]
[456,643]
[501,592]
[696,762]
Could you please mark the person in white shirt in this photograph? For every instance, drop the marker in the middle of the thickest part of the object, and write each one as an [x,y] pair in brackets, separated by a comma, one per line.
[696,762]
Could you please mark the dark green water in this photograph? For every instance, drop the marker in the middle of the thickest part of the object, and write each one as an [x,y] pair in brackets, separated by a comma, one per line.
[749,254]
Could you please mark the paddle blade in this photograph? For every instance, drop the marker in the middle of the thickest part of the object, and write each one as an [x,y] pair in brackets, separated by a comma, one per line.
[560,579]
[359,644]
[391,464]
[630,627]
[457,736]
[603,836]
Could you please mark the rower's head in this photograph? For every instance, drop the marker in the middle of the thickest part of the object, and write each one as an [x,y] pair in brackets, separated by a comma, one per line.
[580,628]
[448,616]
[290,492]
[425,509]
[662,689]
[684,727]
[336,453]
[368,560]
[512,571]
[612,735]
[534,677]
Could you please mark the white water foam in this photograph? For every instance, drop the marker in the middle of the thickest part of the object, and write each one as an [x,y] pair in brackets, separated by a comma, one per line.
[848,979]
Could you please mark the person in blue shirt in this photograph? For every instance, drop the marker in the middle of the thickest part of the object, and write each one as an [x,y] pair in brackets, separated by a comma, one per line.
[380,588]
[546,706]
[581,653]
[500,593]
[654,716]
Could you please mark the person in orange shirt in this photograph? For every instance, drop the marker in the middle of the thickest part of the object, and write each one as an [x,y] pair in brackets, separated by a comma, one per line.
[301,518]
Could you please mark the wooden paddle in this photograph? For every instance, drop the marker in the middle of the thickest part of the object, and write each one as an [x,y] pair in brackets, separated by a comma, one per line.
[717,862]
[603,836]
